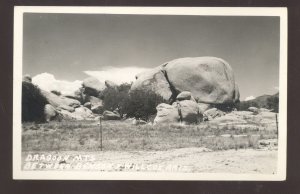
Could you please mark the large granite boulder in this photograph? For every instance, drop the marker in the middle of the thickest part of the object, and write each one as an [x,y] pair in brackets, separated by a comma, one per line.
[209,79]
[155,81]
[92,86]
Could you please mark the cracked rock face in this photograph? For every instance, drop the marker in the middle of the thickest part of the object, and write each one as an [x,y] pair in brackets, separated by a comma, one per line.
[209,79]
[154,80]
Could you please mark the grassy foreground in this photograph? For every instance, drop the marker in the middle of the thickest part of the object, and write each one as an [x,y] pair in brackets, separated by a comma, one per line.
[123,136]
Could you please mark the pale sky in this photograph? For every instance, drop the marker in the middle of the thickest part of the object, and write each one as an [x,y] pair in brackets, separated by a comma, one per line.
[73,46]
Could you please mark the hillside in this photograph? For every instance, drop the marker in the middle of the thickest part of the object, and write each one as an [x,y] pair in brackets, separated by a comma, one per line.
[264,101]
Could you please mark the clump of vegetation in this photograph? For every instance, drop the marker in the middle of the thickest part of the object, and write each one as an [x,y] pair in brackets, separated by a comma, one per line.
[33,103]
[273,103]
[138,103]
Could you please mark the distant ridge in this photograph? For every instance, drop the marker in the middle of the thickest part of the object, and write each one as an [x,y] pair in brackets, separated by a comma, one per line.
[264,101]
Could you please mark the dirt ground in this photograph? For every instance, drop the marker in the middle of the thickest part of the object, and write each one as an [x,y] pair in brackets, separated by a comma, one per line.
[179,160]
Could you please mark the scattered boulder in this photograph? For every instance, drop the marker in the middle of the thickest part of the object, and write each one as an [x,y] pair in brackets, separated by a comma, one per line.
[67,108]
[96,105]
[138,122]
[188,111]
[185,95]
[212,113]
[49,112]
[92,86]
[166,114]
[153,80]
[253,109]
[108,115]
[66,115]
[83,113]
[98,109]
[88,105]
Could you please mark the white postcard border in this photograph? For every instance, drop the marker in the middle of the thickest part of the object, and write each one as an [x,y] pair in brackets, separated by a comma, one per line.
[88,175]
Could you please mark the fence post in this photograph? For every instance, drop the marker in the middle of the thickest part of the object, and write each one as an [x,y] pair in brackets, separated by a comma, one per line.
[100,133]
[276,123]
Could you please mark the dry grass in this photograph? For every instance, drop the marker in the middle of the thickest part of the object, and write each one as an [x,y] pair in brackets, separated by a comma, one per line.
[120,136]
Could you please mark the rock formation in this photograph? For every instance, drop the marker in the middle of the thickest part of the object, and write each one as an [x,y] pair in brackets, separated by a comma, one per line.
[49,112]
[92,86]
[209,79]
[183,110]
[108,115]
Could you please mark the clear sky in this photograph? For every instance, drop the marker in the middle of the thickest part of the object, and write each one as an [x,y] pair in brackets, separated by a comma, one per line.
[68,45]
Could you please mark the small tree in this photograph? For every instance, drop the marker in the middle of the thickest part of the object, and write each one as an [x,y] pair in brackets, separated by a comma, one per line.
[142,104]
[33,103]
[116,98]
[138,103]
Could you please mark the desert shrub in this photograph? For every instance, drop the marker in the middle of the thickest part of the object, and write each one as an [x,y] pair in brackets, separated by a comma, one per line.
[142,104]
[116,98]
[138,103]
[33,103]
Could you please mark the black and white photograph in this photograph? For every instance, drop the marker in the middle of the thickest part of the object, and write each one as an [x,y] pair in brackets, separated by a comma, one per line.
[150,93]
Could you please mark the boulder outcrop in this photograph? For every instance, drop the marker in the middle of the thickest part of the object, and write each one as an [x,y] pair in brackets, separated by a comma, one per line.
[185,111]
[209,79]
[57,101]
[96,105]
[92,86]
